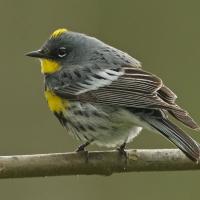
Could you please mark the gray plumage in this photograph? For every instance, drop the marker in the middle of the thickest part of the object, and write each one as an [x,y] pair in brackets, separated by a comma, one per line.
[110,97]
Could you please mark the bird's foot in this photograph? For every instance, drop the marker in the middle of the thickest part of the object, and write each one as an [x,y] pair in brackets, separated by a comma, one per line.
[122,151]
[81,148]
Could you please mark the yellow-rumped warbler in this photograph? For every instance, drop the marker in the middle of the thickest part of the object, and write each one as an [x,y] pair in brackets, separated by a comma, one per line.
[102,96]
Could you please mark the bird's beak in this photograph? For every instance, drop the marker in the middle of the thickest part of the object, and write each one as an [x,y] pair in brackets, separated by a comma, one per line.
[36,54]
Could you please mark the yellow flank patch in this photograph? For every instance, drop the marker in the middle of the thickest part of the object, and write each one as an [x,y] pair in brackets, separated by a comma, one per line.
[58,32]
[49,66]
[55,103]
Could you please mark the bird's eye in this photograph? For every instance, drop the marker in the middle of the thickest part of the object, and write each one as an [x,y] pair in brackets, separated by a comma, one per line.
[62,52]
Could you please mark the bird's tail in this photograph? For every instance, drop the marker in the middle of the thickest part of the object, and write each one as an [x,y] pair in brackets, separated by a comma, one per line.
[176,136]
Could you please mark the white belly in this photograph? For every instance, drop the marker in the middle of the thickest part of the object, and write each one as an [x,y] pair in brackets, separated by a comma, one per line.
[104,126]
[114,140]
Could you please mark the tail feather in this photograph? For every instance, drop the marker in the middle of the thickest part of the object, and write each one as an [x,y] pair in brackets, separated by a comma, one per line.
[176,136]
[180,114]
[185,118]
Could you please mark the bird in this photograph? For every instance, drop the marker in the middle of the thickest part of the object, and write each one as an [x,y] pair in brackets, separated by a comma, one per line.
[102,95]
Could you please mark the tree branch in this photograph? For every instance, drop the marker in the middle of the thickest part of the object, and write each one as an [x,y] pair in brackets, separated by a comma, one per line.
[101,163]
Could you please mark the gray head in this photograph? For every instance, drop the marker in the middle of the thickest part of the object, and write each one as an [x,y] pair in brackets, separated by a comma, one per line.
[66,46]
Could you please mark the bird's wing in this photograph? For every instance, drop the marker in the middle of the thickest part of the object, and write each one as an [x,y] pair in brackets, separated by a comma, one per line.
[124,86]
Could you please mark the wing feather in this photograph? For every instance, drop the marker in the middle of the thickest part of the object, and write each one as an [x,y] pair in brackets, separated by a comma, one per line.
[126,86]
[123,86]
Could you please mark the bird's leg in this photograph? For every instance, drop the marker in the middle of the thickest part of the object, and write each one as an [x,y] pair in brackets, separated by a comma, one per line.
[121,149]
[82,146]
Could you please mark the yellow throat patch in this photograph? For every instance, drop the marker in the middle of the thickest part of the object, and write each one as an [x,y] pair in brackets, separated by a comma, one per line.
[49,66]
[55,103]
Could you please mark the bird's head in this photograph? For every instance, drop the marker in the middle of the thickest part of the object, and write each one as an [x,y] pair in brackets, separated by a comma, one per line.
[61,48]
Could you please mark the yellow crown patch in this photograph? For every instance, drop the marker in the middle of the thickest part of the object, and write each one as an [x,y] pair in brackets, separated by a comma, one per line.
[58,32]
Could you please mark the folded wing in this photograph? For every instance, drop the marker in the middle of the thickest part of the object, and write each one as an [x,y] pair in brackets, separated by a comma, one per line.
[121,86]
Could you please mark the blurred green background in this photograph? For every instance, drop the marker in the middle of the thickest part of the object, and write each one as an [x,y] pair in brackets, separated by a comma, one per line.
[164,35]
